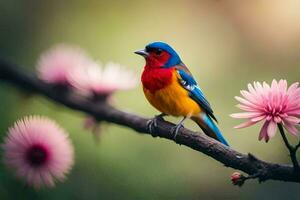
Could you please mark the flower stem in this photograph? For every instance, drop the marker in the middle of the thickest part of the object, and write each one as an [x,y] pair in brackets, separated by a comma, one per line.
[291,149]
[297,146]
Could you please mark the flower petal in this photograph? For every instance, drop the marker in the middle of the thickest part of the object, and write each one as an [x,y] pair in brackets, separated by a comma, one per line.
[282,85]
[272,129]
[245,124]
[245,102]
[259,118]
[263,132]
[291,128]
[292,120]
[293,112]
[250,97]
[293,87]
[246,108]
[246,115]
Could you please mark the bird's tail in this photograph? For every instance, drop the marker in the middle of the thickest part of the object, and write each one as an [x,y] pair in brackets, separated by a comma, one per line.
[209,127]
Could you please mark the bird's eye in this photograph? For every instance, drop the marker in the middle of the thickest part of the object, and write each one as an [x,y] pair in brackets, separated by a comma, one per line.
[158,52]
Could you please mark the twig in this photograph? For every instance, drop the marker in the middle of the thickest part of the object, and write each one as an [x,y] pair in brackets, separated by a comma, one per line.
[240,179]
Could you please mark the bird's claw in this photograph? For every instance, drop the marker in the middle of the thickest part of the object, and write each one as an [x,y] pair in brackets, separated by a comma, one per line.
[152,124]
[175,130]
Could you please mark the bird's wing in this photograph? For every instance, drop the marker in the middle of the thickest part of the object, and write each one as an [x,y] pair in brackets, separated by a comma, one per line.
[188,82]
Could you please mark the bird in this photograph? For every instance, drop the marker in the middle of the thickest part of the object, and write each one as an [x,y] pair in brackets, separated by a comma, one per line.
[170,87]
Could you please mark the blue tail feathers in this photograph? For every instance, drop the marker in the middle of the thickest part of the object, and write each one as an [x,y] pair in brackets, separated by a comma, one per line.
[210,128]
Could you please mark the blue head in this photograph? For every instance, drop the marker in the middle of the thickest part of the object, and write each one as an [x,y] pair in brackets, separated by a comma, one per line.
[160,54]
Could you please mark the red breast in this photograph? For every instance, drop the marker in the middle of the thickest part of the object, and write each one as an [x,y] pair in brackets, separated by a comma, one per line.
[155,79]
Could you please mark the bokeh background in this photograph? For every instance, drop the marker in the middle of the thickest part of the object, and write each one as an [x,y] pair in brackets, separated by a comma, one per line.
[226,44]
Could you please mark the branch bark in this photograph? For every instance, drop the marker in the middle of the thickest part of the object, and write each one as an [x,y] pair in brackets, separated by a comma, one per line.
[102,111]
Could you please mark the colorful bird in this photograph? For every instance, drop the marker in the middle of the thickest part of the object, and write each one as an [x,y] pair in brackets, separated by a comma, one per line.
[170,87]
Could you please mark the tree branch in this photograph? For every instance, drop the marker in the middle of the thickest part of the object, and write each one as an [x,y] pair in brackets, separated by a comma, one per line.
[197,141]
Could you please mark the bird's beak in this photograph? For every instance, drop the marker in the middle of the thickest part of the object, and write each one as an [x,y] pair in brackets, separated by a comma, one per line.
[142,53]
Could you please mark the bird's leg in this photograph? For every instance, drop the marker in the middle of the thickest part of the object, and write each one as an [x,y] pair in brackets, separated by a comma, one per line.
[152,123]
[176,128]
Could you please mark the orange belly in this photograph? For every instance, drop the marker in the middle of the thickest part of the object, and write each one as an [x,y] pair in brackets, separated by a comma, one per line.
[173,100]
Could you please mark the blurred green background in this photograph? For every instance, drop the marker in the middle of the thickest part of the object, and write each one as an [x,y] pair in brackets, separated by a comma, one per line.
[226,44]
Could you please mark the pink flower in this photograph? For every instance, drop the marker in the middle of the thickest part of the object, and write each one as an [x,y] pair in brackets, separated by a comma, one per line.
[38,150]
[102,81]
[56,64]
[272,104]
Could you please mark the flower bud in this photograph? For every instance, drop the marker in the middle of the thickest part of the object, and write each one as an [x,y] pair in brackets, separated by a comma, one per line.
[237,179]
